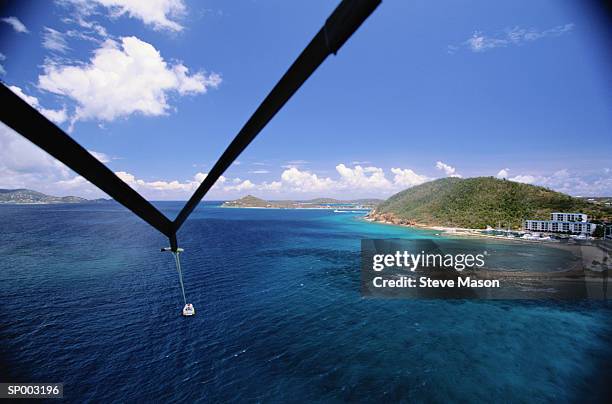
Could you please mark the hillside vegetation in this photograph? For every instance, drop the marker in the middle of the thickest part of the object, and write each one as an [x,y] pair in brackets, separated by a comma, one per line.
[27,196]
[480,202]
[251,201]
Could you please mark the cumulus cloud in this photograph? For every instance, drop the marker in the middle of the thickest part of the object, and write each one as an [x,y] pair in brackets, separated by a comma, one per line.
[363,177]
[23,165]
[304,181]
[76,183]
[357,179]
[184,188]
[481,42]
[240,186]
[271,186]
[407,178]
[447,169]
[56,115]
[123,78]
[17,25]
[503,173]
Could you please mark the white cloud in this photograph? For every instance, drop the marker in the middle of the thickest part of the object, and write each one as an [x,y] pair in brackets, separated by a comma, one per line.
[259,172]
[122,79]
[75,183]
[160,14]
[102,157]
[295,164]
[526,179]
[481,42]
[503,173]
[363,177]
[24,165]
[17,25]
[185,188]
[271,186]
[356,180]
[304,181]
[82,10]
[573,183]
[240,186]
[407,178]
[155,190]
[54,41]
[56,115]
[447,169]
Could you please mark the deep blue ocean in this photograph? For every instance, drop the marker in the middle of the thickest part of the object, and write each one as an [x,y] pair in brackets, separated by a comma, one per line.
[87,299]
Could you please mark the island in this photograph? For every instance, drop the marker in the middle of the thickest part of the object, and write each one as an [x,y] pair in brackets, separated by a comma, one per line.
[29,197]
[481,202]
[251,201]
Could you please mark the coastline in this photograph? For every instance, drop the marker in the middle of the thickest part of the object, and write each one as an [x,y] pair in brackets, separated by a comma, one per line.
[459,232]
[291,208]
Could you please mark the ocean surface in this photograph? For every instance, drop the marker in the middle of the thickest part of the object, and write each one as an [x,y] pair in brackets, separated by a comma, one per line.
[87,299]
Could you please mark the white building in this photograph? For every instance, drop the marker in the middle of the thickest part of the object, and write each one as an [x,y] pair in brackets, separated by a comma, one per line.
[568,217]
[562,223]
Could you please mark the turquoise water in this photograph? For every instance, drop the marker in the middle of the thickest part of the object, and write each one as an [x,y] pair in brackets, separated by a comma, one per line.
[87,299]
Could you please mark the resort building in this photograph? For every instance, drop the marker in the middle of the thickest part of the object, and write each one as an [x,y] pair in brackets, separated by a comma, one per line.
[568,217]
[608,232]
[576,223]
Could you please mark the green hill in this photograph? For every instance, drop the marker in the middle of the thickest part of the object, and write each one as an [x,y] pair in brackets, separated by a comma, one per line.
[27,196]
[249,201]
[480,202]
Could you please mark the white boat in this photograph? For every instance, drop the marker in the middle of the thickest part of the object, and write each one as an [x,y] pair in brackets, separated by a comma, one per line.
[188,310]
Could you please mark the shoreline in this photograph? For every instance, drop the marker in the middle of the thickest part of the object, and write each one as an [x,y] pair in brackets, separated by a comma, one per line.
[364,210]
[460,232]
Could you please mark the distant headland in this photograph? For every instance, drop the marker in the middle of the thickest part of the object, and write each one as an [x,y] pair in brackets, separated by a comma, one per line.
[30,197]
[251,201]
[478,202]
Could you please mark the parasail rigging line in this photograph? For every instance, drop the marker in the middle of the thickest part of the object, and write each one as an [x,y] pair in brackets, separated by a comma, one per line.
[27,121]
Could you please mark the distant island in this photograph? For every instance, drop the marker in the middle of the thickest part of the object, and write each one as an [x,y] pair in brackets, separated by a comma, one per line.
[251,201]
[30,197]
[480,202]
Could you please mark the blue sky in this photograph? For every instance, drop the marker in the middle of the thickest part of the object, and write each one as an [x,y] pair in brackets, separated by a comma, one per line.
[423,90]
